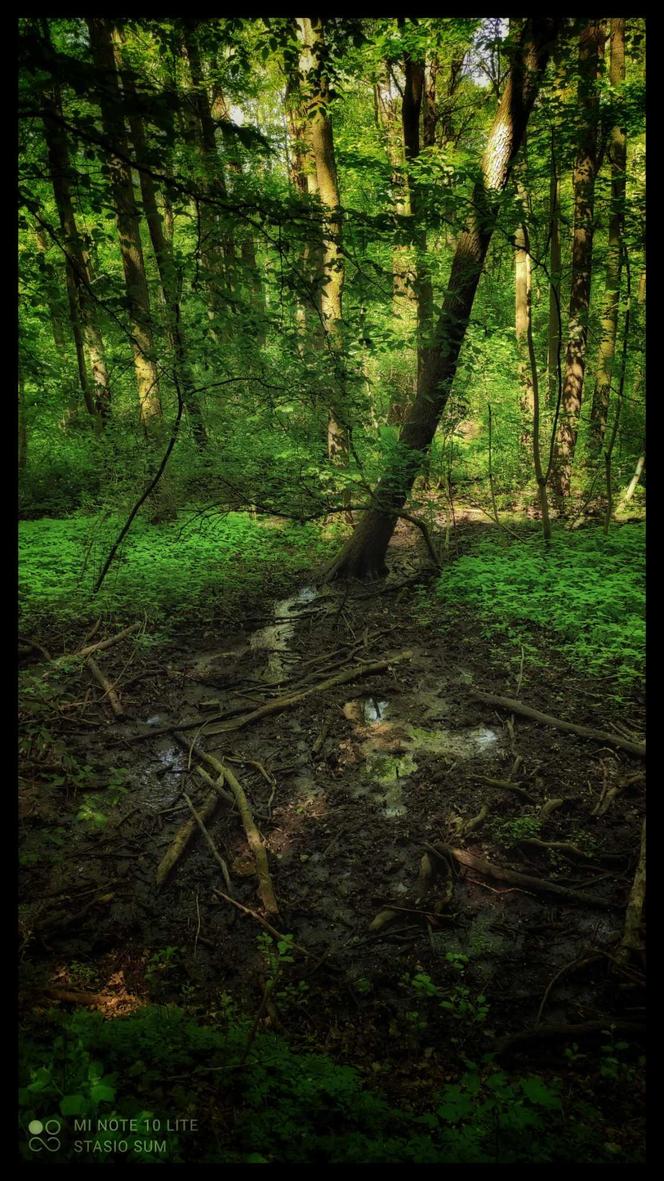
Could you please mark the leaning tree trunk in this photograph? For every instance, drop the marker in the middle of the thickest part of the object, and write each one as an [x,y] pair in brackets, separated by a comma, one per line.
[618,153]
[127,218]
[163,252]
[590,48]
[364,554]
[322,145]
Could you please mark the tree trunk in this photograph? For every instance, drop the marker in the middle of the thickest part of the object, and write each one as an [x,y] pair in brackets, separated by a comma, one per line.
[90,356]
[217,250]
[52,297]
[617,155]
[22,426]
[163,252]
[524,333]
[555,262]
[413,95]
[522,323]
[631,487]
[127,218]
[364,554]
[591,43]
[302,174]
[322,145]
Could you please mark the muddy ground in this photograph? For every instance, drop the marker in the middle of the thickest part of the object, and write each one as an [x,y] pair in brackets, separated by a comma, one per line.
[355,786]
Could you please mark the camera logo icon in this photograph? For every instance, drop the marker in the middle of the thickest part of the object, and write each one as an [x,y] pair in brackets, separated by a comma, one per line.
[44,1135]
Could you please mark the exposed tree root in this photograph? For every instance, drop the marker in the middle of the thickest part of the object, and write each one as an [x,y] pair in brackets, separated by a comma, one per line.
[582,962]
[564,1032]
[517,707]
[565,847]
[507,785]
[631,940]
[524,880]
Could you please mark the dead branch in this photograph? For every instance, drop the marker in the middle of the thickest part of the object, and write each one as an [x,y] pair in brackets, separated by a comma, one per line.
[263,922]
[109,691]
[184,835]
[524,880]
[101,644]
[210,843]
[254,839]
[517,707]
[279,703]
[565,1032]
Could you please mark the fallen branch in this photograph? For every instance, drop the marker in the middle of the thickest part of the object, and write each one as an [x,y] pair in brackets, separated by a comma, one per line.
[263,922]
[565,1032]
[210,843]
[254,839]
[109,691]
[524,880]
[184,835]
[279,703]
[517,707]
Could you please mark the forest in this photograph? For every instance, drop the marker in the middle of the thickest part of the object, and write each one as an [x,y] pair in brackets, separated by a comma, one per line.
[331,641]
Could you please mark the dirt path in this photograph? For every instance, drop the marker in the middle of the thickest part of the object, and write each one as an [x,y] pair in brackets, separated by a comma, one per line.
[355,785]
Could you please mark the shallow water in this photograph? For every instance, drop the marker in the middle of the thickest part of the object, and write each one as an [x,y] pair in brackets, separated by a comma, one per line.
[275,638]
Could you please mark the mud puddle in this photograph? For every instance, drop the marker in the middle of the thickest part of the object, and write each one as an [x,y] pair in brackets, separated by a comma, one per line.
[390,744]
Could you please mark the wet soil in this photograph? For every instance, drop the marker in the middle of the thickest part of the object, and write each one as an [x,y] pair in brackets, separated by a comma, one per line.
[349,789]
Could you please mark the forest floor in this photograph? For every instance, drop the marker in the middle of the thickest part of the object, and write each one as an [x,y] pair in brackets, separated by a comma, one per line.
[353,788]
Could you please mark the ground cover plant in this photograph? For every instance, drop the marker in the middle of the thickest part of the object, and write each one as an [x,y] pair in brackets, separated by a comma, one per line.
[586,592]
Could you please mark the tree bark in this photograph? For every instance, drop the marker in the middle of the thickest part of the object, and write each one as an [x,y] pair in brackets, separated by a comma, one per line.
[90,355]
[413,96]
[127,218]
[364,554]
[618,158]
[22,425]
[163,252]
[217,249]
[322,145]
[555,263]
[530,378]
[591,44]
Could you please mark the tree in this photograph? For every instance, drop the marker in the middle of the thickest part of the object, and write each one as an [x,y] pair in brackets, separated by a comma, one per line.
[618,160]
[163,252]
[88,340]
[332,264]
[591,43]
[364,554]
[128,223]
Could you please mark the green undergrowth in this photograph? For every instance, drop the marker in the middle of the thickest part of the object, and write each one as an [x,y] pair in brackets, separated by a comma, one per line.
[583,596]
[203,566]
[209,1094]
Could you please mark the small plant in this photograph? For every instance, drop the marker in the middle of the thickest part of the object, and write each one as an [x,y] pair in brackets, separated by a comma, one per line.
[159,965]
